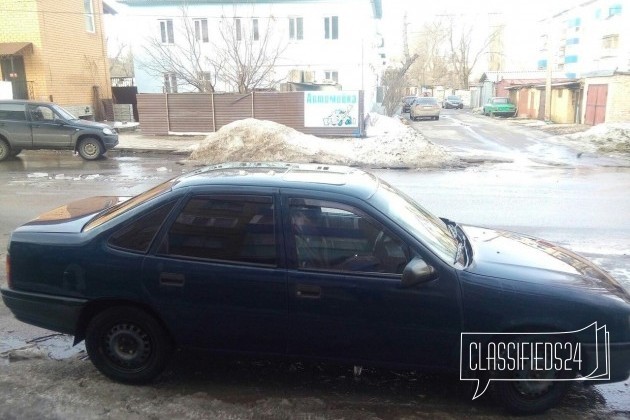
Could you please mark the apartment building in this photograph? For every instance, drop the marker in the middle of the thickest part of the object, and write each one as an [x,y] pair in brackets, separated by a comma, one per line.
[55,51]
[315,44]
[591,37]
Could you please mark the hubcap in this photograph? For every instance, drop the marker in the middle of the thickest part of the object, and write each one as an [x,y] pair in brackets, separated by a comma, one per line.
[90,149]
[127,346]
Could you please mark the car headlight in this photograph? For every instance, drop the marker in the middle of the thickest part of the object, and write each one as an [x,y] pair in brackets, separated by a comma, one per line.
[108,131]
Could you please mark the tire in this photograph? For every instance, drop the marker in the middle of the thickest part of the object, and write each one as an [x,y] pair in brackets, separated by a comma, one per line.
[5,150]
[128,345]
[15,152]
[437,118]
[90,148]
[530,397]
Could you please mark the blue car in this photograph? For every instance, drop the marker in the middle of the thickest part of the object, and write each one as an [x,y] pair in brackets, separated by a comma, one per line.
[321,263]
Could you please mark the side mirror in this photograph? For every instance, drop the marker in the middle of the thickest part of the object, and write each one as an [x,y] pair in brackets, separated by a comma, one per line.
[418,272]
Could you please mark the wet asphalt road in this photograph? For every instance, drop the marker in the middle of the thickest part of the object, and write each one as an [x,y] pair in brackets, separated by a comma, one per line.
[580,204]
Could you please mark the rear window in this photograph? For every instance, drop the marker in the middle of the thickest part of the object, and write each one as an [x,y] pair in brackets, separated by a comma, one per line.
[454,98]
[426,101]
[12,112]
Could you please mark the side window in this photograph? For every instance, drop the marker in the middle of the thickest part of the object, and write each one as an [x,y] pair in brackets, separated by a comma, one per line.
[333,236]
[41,113]
[225,228]
[137,236]
[12,112]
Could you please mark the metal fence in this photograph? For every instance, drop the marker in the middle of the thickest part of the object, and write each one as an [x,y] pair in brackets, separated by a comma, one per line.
[162,114]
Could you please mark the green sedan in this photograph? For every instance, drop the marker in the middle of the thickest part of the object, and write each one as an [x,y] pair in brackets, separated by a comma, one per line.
[500,106]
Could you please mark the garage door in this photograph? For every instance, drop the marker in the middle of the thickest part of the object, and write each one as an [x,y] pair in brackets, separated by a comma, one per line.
[596,104]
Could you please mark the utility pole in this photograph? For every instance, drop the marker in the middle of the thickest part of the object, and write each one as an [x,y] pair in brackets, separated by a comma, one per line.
[550,54]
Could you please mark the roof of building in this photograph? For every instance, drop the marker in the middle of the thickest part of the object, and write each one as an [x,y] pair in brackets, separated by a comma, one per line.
[497,76]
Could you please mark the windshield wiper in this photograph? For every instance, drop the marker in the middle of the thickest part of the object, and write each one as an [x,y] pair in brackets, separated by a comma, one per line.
[464,249]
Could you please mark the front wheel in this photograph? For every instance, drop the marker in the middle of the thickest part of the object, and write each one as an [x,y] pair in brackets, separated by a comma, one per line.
[128,345]
[90,148]
[531,390]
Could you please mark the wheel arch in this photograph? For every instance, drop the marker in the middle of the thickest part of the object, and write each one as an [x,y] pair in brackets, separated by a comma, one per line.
[93,308]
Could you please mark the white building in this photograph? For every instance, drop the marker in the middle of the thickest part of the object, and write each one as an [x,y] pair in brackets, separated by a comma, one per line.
[322,41]
[589,38]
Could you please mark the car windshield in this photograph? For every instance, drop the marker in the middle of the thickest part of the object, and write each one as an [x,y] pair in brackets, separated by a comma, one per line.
[427,228]
[63,113]
[426,101]
[453,98]
[125,206]
[501,101]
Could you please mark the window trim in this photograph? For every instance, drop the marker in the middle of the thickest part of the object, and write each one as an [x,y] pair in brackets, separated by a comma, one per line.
[90,23]
[201,30]
[167,32]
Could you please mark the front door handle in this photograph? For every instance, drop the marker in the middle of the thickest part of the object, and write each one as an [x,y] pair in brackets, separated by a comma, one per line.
[308,291]
[172,279]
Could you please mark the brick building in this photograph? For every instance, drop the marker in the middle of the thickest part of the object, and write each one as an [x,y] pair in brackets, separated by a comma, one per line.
[55,51]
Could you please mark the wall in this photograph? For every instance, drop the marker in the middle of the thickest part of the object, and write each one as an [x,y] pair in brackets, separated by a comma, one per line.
[563,103]
[162,114]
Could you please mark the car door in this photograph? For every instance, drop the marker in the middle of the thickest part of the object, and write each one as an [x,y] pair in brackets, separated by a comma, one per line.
[49,129]
[14,125]
[346,301]
[216,274]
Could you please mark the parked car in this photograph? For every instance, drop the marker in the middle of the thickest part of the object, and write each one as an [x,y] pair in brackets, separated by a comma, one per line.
[423,107]
[499,106]
[406,103]
[453,101]
[45,125]
[312,262]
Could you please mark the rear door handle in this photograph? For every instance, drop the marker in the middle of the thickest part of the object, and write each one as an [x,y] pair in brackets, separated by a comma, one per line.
[172,279]
[308,291]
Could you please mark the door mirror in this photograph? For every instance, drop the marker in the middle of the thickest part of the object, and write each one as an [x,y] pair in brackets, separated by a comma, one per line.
[417,272]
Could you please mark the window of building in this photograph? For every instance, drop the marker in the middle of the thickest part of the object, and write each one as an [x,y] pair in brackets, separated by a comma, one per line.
[238,29]
[206,80]
[201,30]
[170,83]
[610,41]
[224,228]
[332,75]
[89,16]
[570,59]
[166,31]
[614,10]
[331,27]
[296,28]
[255,33]
[337,237]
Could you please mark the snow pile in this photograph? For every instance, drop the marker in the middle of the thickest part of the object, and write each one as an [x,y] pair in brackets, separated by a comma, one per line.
[611,137]
[389,144]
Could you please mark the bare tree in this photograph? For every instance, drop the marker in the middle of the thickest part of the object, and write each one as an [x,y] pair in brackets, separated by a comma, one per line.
[242,54]
[464,56]
[121,61]
[431,67]
[248,51]
[394,79]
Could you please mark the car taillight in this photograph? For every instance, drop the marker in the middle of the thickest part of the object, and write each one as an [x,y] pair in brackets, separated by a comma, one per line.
[8,267]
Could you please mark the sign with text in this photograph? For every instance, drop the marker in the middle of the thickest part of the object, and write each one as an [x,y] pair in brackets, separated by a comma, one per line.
[331,109]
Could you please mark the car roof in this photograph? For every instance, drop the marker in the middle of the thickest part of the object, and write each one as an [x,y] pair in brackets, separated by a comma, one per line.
[24,101]
[317,177]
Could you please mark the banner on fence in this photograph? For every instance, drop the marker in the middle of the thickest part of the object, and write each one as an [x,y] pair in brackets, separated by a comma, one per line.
[331,109]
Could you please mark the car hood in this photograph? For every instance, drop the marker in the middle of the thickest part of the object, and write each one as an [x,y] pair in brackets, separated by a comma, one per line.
[71,217]
[90,124]
[516,257]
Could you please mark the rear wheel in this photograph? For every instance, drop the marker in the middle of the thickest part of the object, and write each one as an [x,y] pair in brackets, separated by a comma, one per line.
[15,152]
[5,150]
[128,345]
[90,148]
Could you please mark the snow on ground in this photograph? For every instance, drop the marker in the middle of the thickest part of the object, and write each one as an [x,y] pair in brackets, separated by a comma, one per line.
[607,137]
[389,144]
